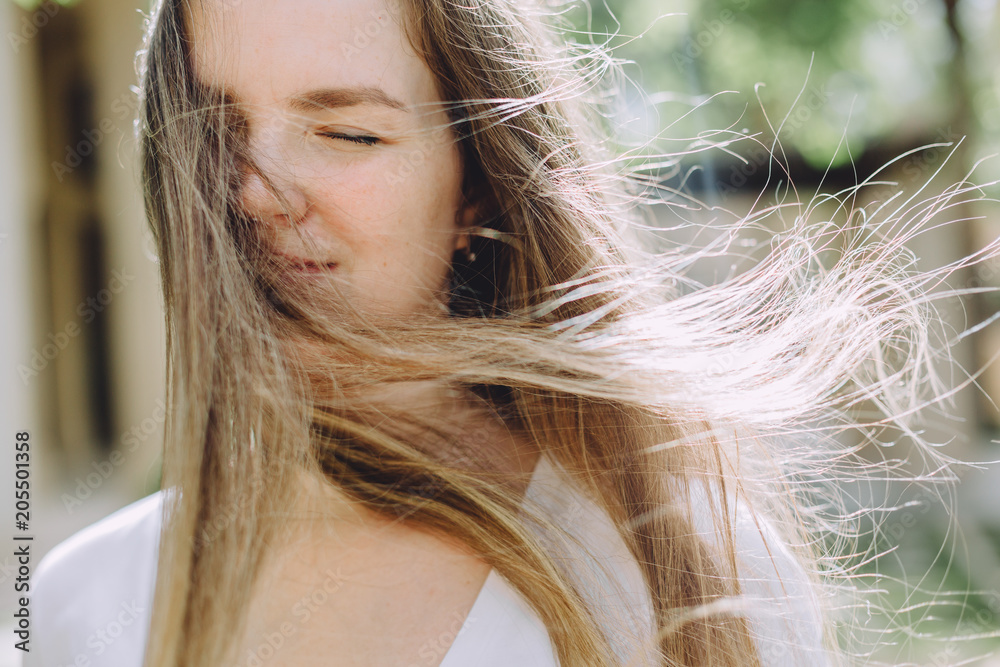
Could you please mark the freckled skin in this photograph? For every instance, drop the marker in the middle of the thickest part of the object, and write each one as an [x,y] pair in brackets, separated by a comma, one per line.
[389,215]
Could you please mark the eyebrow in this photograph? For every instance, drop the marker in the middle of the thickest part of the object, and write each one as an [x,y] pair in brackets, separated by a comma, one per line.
[332,98]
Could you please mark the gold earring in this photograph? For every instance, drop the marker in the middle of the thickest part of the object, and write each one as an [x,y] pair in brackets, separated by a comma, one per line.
[466,250]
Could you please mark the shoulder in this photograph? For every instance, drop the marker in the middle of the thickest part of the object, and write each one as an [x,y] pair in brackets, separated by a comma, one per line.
[588,547]
[781,599]
[782,606]
[91,595]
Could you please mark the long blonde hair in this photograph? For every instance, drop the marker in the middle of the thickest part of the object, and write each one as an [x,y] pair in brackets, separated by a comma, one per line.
[590,349]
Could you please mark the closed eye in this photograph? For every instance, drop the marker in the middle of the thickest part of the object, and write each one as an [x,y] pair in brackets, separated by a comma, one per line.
[362,139]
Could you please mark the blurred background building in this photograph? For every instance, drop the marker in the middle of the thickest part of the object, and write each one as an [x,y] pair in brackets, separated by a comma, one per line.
[845,85]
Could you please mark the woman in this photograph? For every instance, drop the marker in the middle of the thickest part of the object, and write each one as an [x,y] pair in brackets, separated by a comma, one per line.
[430,403]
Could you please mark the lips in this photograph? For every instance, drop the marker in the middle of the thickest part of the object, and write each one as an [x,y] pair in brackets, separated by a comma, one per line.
[306,266]
[303,265]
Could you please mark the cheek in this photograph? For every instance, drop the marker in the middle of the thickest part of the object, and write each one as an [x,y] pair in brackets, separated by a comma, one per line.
[398,204]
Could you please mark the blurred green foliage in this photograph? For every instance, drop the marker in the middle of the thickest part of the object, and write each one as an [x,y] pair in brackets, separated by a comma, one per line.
[32,5]
[851,77]
[884,69]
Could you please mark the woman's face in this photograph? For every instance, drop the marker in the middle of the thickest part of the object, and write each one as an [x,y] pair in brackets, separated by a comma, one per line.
[344,122]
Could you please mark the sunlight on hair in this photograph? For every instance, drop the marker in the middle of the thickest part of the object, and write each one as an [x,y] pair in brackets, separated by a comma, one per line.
[700,414]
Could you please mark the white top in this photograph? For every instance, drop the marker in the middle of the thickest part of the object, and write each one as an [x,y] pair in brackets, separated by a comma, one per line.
[92,594]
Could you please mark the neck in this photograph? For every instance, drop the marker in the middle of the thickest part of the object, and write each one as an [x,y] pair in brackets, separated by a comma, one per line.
[474,436]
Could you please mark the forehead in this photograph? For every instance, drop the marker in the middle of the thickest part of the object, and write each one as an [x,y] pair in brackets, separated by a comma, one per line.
[267,50]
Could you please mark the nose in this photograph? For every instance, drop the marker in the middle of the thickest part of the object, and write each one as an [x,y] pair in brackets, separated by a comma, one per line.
[270,193]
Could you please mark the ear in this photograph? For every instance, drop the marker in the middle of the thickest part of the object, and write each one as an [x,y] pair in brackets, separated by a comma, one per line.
[476,204]
[467,216]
